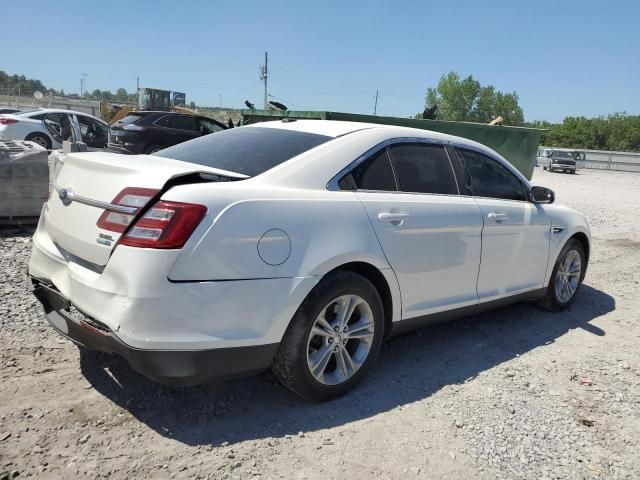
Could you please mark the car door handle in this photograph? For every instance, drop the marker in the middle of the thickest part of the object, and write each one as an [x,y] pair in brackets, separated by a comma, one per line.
[497,216]
[393,217]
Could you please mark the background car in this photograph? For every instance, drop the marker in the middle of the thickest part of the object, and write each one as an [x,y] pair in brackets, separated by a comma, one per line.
[297,245]
[149,132]
[559,160]
[9,110]
[50,127]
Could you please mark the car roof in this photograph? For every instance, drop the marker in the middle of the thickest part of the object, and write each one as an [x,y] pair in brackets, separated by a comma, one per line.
[338,128]
[164,112]
[57,110]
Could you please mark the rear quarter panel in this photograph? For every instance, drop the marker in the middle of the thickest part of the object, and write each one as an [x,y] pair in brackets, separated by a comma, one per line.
[325,230]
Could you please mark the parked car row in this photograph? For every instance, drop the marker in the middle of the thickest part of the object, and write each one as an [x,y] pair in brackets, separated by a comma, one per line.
[137,133]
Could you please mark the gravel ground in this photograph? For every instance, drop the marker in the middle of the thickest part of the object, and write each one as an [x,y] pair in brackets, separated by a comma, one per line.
[515,393]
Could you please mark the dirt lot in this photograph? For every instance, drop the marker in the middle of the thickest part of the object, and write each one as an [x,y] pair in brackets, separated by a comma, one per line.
[516,393]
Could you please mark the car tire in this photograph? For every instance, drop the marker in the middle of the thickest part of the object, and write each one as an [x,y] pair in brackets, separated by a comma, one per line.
[563,285]
[153,149]
[314,366]
[41,139]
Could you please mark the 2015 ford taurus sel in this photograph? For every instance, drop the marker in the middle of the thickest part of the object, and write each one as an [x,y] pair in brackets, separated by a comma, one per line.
[295,245]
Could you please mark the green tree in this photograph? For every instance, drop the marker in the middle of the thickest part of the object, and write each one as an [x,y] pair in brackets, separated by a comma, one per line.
[466,100]
[122,95]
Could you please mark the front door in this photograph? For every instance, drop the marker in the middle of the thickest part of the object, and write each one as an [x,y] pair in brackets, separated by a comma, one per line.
[516,233]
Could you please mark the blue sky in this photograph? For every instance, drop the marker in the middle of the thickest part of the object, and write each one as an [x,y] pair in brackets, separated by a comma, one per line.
[561,57]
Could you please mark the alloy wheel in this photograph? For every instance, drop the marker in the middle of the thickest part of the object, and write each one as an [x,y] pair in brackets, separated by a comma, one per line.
[40,141]
[340,339]
[568,276]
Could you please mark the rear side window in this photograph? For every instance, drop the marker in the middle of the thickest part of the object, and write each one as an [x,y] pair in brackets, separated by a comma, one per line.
[182,122]
[423,168]
[374,173]
[246,150]
[162,121]
[485,177]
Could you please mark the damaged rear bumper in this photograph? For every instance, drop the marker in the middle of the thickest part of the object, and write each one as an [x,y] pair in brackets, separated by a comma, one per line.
[170,367]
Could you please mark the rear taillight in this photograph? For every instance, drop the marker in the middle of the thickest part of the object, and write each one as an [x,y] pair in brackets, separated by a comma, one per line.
[7,121]
[129,197]
[165,225]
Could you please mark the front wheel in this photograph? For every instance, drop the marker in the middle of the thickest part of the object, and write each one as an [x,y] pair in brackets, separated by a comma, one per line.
[333,339]
[566,278]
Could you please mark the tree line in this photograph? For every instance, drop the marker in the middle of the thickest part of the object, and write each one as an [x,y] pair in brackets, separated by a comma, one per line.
[466,99]
[23,86]
[618,132]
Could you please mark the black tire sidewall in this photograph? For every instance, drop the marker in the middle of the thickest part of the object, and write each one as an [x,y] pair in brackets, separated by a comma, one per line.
[572,244]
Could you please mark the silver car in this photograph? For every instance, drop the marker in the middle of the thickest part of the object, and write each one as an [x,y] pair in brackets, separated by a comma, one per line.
[558,160]
[50,127]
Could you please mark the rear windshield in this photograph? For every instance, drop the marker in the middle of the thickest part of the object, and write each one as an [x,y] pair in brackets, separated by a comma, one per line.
[246,150]
[131,118]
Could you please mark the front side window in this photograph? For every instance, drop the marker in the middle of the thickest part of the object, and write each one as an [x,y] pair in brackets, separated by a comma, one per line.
[207,126]
[374,173]
[485,177]
[423,168]
[94,133]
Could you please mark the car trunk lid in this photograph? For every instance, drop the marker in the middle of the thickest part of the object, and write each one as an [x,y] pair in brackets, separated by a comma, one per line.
[88,184]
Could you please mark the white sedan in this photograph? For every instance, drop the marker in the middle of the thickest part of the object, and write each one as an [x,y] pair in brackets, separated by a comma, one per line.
[295,245]
[50,127]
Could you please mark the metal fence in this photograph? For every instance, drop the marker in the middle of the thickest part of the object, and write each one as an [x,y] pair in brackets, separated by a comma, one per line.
[605,160]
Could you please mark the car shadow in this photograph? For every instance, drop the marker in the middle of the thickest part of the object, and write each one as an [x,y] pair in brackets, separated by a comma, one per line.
[410,368]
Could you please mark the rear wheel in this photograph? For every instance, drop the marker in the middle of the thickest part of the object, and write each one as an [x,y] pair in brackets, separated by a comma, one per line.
[333,339]
[566,277]
[41,139]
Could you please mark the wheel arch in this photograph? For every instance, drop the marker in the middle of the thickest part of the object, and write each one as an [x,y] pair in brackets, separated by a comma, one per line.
[382,284]
[584,241]
[43,134]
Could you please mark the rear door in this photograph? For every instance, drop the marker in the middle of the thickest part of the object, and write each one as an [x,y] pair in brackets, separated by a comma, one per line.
[182,128]
[515,237]
[430,235]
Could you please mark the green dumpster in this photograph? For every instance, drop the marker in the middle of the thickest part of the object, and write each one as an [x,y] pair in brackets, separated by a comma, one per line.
[517,144]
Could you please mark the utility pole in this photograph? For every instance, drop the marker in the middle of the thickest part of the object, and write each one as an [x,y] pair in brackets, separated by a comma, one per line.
[138,90]
[375,105]
[264,75]
[83,84]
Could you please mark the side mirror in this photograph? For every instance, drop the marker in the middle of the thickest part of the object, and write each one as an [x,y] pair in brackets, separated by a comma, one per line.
[542,195]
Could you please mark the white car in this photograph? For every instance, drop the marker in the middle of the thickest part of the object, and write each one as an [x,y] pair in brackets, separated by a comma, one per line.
[49,127]
[296,245]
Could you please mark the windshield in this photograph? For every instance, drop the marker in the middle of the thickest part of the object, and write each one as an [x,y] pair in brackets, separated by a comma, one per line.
[247,150]
[557,154]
